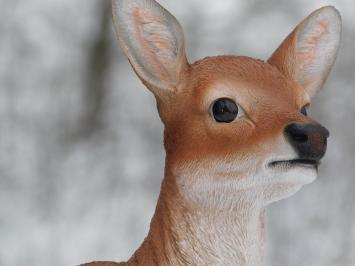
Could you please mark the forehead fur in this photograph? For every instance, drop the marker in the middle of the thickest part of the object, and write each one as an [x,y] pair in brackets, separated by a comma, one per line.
[240,69]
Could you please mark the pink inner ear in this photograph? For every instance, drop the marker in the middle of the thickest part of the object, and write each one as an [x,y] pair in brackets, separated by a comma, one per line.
[309,52]
[154,41]
[312,42]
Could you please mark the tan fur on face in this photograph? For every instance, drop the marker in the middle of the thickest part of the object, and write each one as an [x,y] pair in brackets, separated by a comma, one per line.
[217,176]
[270,101]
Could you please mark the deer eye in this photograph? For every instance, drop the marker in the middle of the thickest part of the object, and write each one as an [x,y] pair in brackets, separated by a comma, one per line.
[225,110]
[304,110]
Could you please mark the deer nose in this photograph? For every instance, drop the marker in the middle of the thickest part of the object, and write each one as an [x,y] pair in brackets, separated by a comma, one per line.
[309,140]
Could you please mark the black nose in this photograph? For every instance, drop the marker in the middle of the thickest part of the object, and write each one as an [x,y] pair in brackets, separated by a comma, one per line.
[309,140]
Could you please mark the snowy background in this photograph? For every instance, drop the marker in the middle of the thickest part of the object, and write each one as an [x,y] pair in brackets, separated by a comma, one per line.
[81,155]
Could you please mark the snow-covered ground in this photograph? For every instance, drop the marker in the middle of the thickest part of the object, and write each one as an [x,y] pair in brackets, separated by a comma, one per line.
[81,155]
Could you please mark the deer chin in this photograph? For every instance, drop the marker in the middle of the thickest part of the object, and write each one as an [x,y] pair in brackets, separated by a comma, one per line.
[299,171]
[212,184]
[283,181]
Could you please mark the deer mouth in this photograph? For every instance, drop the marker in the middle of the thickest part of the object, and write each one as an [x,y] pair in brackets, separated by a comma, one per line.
[306,163]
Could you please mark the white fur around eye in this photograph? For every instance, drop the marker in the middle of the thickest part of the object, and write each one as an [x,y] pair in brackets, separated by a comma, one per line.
[241,112]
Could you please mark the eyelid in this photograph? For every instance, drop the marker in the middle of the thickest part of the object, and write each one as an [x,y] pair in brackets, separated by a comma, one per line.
[241,112]
[230,98]
[307,105]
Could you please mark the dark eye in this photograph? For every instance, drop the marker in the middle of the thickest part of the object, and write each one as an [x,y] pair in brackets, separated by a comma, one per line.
[304,110]
[225,110]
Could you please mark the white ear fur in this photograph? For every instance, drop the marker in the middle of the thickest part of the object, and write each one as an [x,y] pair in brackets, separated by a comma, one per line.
[153,41]
[308,53]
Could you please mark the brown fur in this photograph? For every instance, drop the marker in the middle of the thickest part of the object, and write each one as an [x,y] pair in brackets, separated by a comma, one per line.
[187,121]
[272,99]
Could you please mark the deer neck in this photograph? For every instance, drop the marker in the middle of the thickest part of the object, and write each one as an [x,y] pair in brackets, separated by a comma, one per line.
[182,233]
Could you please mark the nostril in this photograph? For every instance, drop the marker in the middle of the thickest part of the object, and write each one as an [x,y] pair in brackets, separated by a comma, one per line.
[297,133]
[299,137]
[308,140]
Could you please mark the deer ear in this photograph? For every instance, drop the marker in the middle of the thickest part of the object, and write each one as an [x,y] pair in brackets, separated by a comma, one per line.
[153,41]
[308,53]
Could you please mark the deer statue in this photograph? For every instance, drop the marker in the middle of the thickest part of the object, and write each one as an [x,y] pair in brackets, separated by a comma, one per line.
[237,135]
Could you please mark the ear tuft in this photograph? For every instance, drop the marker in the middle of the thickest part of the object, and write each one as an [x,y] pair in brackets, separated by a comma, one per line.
[152,40]
[309,52]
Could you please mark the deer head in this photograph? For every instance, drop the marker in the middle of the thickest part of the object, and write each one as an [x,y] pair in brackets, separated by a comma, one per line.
[233,124]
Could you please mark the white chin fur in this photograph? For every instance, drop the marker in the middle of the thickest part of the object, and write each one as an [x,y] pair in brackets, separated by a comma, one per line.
[213,189]
[283,183]
[296,174]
